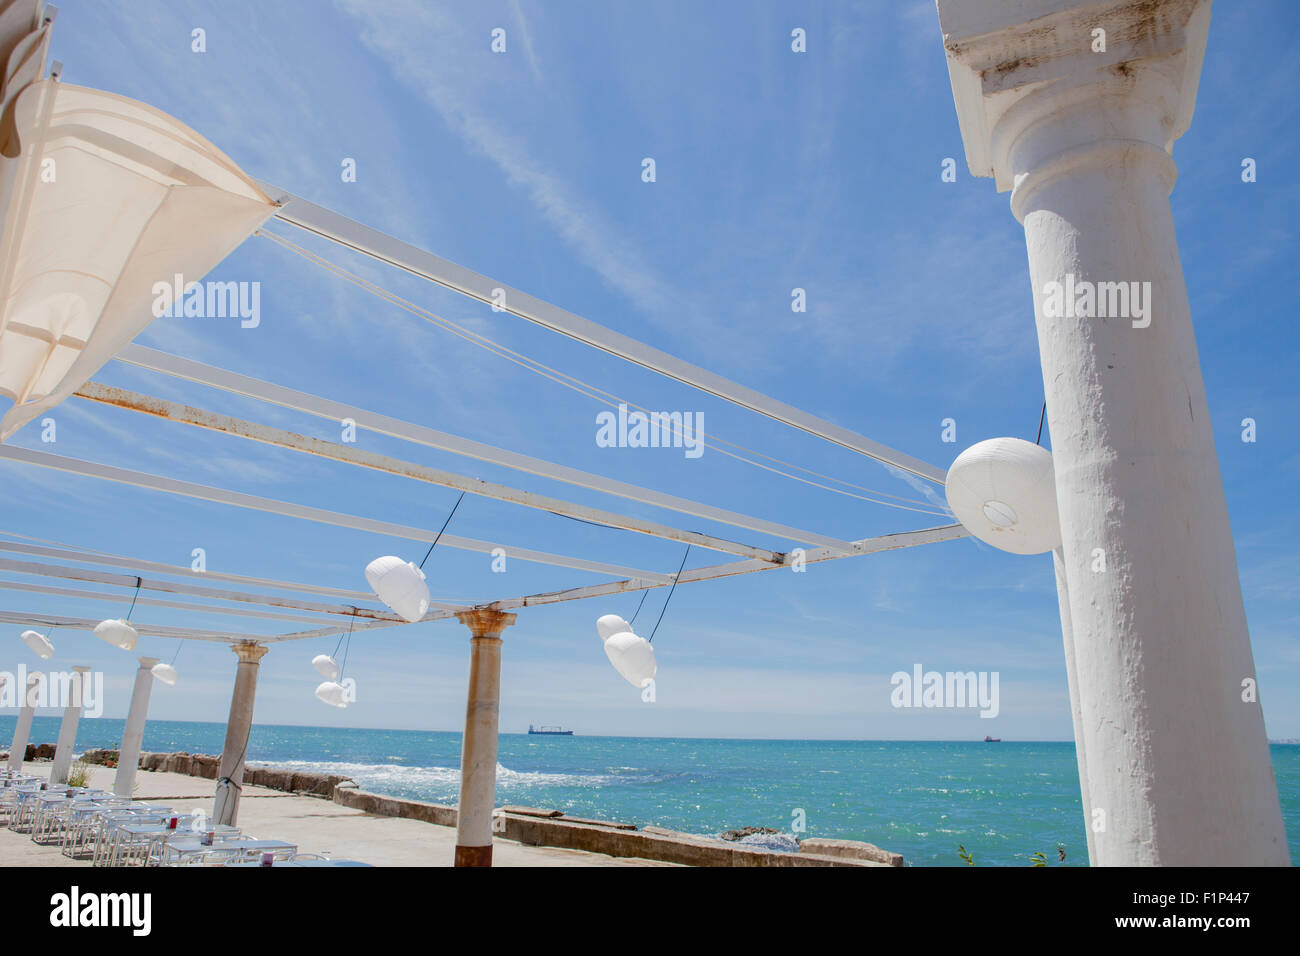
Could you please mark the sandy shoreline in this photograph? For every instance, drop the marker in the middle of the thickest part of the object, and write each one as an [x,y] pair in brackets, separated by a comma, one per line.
[316,825]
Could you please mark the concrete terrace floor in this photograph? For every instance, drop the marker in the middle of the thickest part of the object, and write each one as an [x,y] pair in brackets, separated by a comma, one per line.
[316,825]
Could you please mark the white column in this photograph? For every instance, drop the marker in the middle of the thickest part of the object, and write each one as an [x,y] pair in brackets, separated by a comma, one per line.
[23,729]
[1081,124]
[478,755]
[68,728]
[230,778]
[128,755]
[1072,682]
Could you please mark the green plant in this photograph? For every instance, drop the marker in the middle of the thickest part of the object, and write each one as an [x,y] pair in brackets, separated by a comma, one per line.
[79,775]
[1038,858]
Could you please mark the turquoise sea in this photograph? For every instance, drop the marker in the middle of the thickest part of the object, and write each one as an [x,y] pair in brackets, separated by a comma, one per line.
[1002,801]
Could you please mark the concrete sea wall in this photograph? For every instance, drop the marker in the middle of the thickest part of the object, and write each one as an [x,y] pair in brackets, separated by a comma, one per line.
[527,825]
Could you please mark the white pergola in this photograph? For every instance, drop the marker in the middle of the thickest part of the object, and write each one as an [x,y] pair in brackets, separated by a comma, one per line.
[151,584]
[1022,123]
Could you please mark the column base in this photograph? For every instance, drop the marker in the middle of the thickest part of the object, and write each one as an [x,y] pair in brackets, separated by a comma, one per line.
[474,855]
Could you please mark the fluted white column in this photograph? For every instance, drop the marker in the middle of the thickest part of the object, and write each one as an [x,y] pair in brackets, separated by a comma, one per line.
[128,755]
[478,755]
[68,728]
[1076,106]
[23,728]
[239,725]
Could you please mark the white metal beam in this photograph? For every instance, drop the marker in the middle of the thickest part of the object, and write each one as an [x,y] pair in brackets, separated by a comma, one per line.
[280,438]
[196,590]
[257,503]
[176,570]
[157,602]
[235,383]
[887,542]
[148,630]
[347,232]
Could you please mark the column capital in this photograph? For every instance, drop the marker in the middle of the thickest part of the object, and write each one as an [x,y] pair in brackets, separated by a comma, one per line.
[1012,64]
[81,669]
[248,652]
[485,621]
[147,662]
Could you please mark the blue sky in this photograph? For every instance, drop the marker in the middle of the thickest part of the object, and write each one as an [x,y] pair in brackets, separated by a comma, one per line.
[774,171]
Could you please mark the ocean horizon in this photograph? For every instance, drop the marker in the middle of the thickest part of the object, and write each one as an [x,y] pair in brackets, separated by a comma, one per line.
[922,798]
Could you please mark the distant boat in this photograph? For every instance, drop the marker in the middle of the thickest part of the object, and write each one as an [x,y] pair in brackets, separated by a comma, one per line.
[551,731]
[992,740]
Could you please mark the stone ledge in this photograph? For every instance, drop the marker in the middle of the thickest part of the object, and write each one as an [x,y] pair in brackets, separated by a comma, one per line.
[208,766]
[850,849]
[551,828]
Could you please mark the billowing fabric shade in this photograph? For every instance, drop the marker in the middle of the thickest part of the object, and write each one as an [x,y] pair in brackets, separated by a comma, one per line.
[108,198]
[328,667]
[1004,492]
[633,657]
[39,643]
[118,633]
[164,672]
[400,585]
[332,693]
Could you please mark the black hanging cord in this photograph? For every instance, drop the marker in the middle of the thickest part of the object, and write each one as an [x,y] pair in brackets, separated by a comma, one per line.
[1042,415]
[670,595]
[442,529]
[638,607]
[138,582]
[348,645]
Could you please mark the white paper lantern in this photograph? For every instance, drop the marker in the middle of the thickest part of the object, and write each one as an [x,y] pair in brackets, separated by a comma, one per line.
[118,633]
[633,657]
[1004,492]
[328,667]
[164,672]
[610,624]
[332,693]
[400,585]
[39,643]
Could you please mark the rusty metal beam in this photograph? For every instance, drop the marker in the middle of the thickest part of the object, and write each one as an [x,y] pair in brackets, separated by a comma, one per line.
[420,262]
[189,489]
[122,562]
[268,435]
[237,384]
[196,590]
[85,595]
[148,630]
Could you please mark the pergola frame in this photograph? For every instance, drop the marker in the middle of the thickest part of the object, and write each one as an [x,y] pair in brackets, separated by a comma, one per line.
[486,619]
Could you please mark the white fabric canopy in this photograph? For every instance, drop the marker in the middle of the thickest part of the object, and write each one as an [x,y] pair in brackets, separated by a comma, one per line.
[135,198]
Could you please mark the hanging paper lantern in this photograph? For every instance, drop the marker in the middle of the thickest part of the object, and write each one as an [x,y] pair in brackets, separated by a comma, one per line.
[165,673]
[118,633]
[39,643]
[332,693]
[607,625]
[400,585]
[1004,492]
[632,656]
[328,667]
